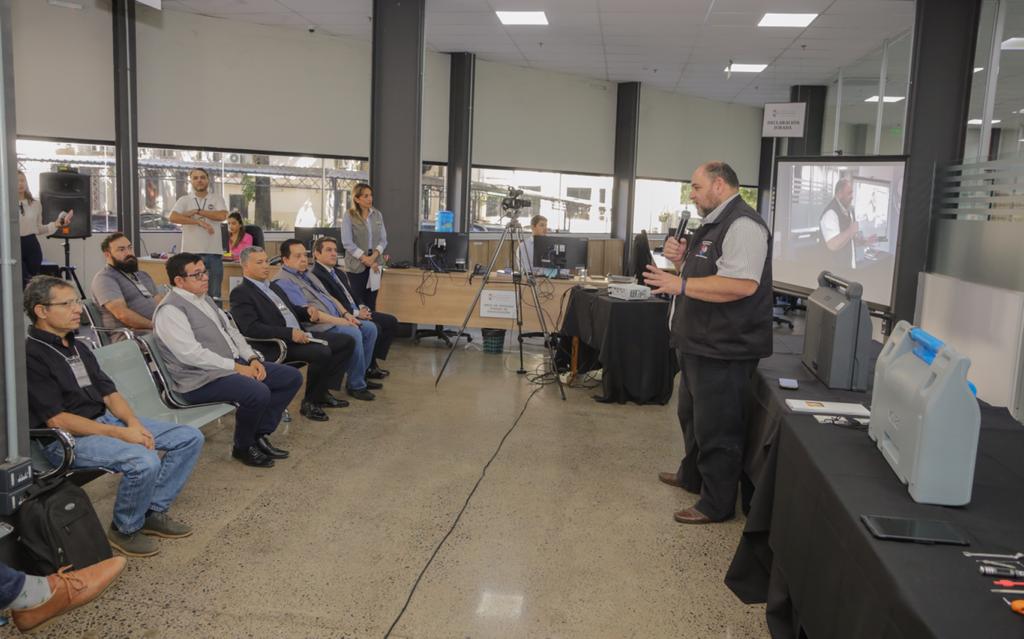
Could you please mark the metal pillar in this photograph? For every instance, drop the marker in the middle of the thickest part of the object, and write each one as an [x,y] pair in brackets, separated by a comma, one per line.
[126,130]
[627,131]
[814,119]
[460,137]
[396,169]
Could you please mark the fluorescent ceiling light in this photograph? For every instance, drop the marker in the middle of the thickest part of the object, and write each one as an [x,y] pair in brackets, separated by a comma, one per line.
[888,98]
[745,68]
[787,19]
[1013,44]
[976,69]
[522,17]
[977,122]
[66,5]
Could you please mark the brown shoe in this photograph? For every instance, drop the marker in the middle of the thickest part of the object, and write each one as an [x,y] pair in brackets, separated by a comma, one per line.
[69,590]
[692,516]
[670,479]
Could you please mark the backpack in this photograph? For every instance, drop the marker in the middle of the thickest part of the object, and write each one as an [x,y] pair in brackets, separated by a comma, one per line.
[57,527]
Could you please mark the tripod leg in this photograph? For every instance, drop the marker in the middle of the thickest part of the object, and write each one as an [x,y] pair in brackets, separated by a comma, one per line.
[548,342]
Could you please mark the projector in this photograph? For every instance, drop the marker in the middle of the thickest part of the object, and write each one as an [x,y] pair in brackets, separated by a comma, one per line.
[629,291]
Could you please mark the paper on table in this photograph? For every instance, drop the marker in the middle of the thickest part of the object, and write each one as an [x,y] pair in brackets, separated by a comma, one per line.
[373,282]
[827,408]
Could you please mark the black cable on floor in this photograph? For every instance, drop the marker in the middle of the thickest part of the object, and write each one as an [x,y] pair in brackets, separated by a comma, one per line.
[455,523]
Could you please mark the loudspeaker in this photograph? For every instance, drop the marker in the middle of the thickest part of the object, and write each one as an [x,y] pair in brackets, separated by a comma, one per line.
[65,191]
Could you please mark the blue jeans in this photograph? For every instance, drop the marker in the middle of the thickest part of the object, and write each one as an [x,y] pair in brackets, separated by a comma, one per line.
[260,404]
[214,264]
[365,334]
[148,482]
[11,583]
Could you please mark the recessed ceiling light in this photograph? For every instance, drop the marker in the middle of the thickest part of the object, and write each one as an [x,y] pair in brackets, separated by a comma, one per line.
[66,5]
[787,19]
[977,122]
[888,98]
[522,17]
[976,69]
[1013,44]
[745,68]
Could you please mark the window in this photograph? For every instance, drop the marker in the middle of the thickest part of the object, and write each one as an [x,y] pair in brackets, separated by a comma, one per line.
[433,184]
[36,157]
[660,204]
[275,192]
[572,202]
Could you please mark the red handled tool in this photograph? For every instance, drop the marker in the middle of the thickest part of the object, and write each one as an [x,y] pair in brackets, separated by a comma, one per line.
[1006,583]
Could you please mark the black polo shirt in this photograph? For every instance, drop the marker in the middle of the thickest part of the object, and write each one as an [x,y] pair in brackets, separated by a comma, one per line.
[52,387]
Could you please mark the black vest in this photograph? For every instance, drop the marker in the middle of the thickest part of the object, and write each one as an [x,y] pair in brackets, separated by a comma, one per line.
[842,258]
[741,329]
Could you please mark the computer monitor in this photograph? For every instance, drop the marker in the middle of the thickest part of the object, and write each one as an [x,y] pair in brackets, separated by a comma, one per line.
[641,256]
[309,235]
[553,251]
[442,252]
[225,238]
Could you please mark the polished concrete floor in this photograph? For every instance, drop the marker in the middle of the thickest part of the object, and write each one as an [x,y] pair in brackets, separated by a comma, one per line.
[569,533]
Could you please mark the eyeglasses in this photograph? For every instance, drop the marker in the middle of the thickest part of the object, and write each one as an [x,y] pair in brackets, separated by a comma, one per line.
[75,302]
[199,275]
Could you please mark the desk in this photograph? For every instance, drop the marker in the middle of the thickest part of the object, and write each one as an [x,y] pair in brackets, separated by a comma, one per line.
[805,552]
[424,297]
[157,269]
[631,340]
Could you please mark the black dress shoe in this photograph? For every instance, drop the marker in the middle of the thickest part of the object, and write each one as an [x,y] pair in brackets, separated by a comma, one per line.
[263,443]
[377,373]
[374,385]
[312,411]
[252,456]
[362,394]
[330,401]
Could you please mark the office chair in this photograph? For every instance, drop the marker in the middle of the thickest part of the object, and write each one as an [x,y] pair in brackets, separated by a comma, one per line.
[256,233]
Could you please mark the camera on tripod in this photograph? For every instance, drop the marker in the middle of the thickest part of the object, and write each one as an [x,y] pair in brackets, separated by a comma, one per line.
[512,201]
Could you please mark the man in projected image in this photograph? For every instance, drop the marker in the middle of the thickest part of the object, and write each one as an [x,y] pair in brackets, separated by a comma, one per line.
[721,325]
[838,228]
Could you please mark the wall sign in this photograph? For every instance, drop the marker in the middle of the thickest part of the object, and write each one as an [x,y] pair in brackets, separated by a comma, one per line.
[785,120]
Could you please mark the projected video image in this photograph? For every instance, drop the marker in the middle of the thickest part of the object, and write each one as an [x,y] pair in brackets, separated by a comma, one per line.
[840,215]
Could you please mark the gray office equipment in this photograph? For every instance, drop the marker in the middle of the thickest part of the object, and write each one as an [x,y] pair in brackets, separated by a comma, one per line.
[925,417]
[837,338]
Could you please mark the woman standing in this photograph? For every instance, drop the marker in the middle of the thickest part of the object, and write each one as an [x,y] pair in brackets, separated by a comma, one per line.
[238,239]
[364,238]
[30,226]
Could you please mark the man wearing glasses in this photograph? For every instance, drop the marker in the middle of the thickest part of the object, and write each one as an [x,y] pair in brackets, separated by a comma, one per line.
[68,390]
[210,361]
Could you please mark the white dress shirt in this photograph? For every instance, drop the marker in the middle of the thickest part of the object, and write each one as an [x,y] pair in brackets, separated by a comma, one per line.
[174,329]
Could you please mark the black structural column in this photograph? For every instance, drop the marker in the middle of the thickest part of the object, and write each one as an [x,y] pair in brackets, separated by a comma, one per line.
[941,70]
[126,130]
[627,127]
[14,434]
[395,166]
[765,175]
[460,136]
[814,119]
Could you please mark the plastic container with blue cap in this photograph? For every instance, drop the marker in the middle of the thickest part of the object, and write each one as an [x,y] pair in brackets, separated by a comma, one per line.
[925,417]
[445,222]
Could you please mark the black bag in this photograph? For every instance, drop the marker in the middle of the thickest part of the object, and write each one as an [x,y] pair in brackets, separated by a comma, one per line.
[57,527]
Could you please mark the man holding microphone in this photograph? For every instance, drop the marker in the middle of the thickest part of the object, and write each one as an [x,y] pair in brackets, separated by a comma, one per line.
[721,324]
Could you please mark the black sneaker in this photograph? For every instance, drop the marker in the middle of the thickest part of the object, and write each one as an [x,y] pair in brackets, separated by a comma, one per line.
[361,394]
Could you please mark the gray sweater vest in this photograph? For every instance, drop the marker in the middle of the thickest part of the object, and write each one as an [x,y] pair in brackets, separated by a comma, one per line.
[183,376]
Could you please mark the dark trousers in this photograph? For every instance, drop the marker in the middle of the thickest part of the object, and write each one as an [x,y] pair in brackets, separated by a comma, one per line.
[386,327]
[32,258]
[260,404]
[327,364]
[11,583]
[359,290]
[713,399]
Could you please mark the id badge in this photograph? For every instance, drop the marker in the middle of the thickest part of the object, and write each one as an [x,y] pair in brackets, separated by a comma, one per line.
[81,375]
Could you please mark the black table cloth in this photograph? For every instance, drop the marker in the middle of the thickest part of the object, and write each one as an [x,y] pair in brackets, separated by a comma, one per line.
[631,340]
[805,552]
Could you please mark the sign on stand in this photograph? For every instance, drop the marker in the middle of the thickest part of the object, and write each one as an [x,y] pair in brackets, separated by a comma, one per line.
[499,304]
[785,120]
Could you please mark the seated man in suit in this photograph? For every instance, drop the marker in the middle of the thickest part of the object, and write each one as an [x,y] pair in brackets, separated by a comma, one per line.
[209,361]
[126,296]
[335,280]
[261,312]
[328,315]
[67,389]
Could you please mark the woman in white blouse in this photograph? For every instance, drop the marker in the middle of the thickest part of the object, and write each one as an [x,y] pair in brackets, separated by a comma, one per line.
[30,226]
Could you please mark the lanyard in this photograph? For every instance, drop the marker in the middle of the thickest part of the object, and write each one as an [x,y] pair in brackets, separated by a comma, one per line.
[134,279]
[203,206]
[75,363]
[344,288]
[21,207]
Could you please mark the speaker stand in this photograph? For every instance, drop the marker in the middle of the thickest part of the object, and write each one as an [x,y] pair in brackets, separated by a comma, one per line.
[67,271]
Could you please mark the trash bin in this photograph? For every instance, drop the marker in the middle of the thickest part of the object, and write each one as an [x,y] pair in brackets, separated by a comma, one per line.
[494,340]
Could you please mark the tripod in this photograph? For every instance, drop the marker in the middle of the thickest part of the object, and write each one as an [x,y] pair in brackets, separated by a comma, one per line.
[67,271]
[513,234]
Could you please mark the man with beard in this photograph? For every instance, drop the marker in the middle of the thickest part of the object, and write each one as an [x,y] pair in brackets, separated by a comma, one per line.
[126,296]
[839,229]
[721,325]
